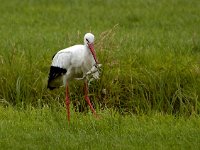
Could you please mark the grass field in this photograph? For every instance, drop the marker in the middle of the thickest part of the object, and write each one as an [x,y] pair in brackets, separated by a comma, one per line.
[150,51]
[47,128]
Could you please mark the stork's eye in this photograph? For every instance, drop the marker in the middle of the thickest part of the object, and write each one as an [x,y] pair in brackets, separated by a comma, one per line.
[87,40]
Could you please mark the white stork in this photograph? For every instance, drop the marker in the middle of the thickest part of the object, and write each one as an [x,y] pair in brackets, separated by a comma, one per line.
[75,62]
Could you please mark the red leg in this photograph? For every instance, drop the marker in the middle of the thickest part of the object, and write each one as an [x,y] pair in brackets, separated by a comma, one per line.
[87,98]
[67,102]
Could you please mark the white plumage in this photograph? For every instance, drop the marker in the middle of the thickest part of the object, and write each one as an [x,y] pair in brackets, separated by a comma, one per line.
[75,62]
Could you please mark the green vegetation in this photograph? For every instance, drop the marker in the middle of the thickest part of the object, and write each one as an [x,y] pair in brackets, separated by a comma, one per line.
[150,51]
[48,129]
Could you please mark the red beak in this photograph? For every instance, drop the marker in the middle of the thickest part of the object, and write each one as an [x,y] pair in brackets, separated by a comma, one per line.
[91,47]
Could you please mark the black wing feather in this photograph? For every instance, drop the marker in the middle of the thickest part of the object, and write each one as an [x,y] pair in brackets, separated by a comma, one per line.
[55,72]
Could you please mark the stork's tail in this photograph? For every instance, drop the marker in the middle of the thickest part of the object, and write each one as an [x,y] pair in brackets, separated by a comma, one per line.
[54,75]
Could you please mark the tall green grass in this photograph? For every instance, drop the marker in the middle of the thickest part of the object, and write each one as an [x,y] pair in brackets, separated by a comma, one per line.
[150,51]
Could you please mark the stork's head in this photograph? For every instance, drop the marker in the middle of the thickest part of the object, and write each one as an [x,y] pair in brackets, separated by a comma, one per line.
[88,38]
[89,42]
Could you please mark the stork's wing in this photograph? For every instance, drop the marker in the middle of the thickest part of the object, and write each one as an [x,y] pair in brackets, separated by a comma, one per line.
[58,68]
[62,59]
